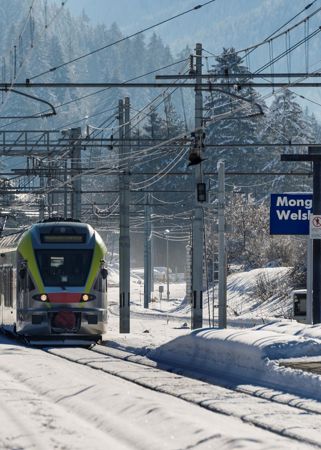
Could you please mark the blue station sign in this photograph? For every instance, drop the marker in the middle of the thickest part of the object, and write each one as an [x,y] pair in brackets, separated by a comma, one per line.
[290,213]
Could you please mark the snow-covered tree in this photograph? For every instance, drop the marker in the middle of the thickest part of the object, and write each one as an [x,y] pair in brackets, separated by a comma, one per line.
[233,114]
[286,122]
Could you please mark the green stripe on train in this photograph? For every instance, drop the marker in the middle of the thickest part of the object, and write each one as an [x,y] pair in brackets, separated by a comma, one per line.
[99,254]
[26,250]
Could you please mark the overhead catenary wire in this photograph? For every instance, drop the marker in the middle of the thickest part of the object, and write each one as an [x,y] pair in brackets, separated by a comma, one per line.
[274,36]
[151,148]
[17,74]
[176,137]
[118,41]
[102,90]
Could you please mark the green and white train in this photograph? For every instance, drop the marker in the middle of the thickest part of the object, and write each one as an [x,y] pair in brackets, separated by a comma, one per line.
[53,283]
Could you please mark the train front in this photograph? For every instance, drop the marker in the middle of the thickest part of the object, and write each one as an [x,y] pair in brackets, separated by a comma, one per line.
[61,283]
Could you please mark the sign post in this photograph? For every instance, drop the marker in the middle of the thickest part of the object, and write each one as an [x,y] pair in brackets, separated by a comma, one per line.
[314,155]
[291,214]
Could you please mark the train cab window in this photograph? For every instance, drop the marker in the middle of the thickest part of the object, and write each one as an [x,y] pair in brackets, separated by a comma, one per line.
[64,267]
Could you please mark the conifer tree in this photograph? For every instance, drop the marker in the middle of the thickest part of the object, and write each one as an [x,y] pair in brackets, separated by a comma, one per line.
[286,122]
[230,118]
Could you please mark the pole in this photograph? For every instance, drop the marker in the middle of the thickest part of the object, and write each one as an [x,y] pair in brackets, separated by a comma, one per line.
[221,246]
[42,200]
[309,280]
[49,180]
[152,247]
[314,154]
[147,252]
[167,267]
[188,274]
[74,135]
[316,309]
[124,239]
[65,190]
[197,227]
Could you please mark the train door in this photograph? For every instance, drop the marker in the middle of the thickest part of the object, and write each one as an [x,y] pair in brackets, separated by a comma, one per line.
[21,289]
[8,316]
[101,287]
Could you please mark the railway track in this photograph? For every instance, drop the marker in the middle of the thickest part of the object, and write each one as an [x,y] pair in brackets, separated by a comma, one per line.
[285,415]
[277,412]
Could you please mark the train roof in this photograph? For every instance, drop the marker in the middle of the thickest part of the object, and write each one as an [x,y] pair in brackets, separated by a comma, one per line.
[68,234]
[50,224]
[11,241]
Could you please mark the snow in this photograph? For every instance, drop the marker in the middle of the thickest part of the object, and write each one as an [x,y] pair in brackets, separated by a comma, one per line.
[252,354]
[53,403]
[242,298]
[248,354]
[50,402]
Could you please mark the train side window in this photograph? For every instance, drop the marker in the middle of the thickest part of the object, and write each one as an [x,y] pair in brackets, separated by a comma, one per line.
[8,283]
[5,280]
[22,278]
[11,286]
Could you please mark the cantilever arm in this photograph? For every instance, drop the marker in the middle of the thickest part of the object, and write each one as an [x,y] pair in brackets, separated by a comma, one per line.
[211,89]
[34,116]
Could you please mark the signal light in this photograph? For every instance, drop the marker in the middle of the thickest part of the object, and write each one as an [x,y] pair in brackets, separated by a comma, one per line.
[201,192]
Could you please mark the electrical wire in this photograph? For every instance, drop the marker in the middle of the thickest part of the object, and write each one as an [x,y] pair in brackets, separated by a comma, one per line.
[104,89]
[12,82]
[249,50]
[78,58]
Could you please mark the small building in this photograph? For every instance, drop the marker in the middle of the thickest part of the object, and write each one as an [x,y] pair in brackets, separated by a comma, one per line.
[299,304]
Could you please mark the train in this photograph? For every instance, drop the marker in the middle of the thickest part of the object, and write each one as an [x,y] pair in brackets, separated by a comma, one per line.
[53,283]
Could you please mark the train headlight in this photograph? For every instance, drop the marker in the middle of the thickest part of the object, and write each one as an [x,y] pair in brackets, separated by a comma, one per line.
[41,297]
[87,297]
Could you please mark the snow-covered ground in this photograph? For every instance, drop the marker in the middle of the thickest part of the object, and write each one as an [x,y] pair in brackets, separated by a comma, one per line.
[229,388]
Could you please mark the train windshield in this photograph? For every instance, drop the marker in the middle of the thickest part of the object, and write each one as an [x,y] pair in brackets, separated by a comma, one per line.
[64,267]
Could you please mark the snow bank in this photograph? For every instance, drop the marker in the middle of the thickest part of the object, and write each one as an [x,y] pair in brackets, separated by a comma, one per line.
[294,328]
[246,356]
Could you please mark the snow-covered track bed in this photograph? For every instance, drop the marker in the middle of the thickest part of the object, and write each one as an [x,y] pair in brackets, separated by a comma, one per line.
[51,402]
[239,384]
[281,414]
